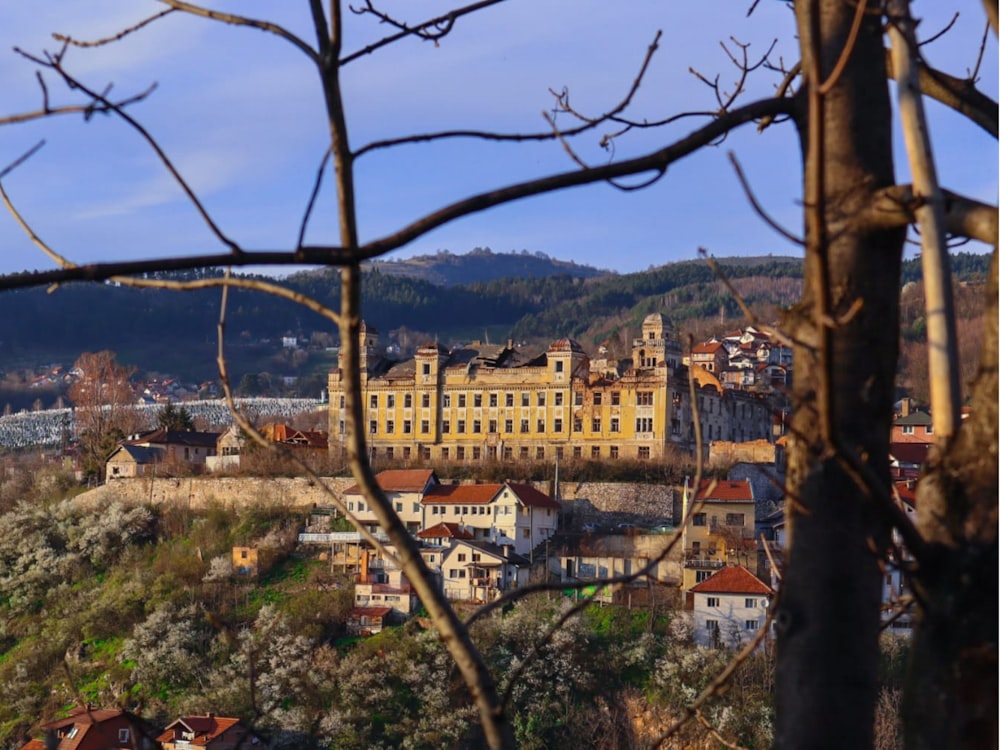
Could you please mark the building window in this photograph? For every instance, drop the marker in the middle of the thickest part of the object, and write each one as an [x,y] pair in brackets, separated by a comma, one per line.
[426,368]
[577,451]
[578,398]
[406,452]
[615,424]
[461,400]
[577,424]
[595,451]
[373,401]
[613,451]
[526,533]
[750,625]
[460,453]
[477,453]
[541,399]
[750,603]
[407,427]
[734,519]
[712,626]
[461,427]
[408,401]
[461,557]
[508,454]
[425,426]
[373,427]
[445,426]
[524,425]
[524,399]
[644,424]
[399,507]
[123,735]
[477,425]
[713,601]
[508,399]
[343,401]
[644,398]
[702,575]
[541,426]
[616,398]
[493,400]
[390,426]
[557,425]
[444,453]
[508,425]
[559,452]
[598,398]
[559,365]
[446,401]
[595,424]
[558,399]
[699,519]
[477,400]
[907,429]
[643,452]
[540,453]
[523,453]
[425,400]
[390,401]
[493,425]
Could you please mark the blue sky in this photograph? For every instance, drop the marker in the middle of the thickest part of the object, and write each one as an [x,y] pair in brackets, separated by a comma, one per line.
[241,114]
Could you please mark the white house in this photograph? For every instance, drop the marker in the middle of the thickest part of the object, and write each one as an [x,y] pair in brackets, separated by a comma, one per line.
[482,570]
[730,607]
[517,511]
[405,488]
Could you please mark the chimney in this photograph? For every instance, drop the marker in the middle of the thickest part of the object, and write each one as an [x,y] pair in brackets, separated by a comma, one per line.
[363,574]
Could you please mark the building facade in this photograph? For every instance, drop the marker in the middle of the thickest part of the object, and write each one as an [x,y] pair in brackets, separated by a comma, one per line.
[486,402]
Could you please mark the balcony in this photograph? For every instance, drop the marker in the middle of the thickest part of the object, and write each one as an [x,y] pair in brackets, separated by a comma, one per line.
[703,564]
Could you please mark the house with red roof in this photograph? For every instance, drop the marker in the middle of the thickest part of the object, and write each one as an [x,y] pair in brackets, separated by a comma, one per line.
[720,528]
[208,731]
[481,571]
[730,607]
[367,620]
[513,510]
[404,488]
[89,728]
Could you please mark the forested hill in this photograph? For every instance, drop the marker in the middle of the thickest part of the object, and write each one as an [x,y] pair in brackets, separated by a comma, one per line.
[37,327]
[481,264]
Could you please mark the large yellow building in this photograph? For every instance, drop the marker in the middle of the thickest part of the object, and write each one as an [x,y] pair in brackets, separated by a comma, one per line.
[496,402]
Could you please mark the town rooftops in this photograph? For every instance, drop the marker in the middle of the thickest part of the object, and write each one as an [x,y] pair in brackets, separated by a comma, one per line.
[141,454]
[531,497]
[733,579]
[725,491]
[444,531]
[204,728]
[176,437]
[471,494]
[707,347]
[400,480]
[370,612]
[915,418]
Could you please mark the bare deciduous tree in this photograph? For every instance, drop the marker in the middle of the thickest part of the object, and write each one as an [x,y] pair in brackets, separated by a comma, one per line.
[845,330]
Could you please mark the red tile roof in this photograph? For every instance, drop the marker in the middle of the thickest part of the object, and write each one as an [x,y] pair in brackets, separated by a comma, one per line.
[462,493]
[205,728]
[443,530]
[708,347]
[399,480]
[725,491]
[531,497]
[733,579]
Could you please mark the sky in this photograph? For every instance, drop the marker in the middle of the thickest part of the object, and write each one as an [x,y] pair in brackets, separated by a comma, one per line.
[241,114]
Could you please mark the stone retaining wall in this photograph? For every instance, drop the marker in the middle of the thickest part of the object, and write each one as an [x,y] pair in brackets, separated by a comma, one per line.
[582,501]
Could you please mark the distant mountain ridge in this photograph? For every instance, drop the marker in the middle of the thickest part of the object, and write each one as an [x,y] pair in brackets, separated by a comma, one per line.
[481,264]
[175,332]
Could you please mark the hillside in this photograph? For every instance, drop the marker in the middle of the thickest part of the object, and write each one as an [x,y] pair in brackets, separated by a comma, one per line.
[481,264]
[167,332]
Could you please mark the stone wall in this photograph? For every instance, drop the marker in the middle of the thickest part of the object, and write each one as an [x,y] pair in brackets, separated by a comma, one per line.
[582,501]
[230,492]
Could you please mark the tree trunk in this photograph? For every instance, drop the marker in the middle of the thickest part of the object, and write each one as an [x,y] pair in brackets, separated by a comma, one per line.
[846,333]
[951,693]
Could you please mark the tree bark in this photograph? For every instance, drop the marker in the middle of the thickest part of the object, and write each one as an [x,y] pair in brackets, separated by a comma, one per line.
[951,692]
[846,331]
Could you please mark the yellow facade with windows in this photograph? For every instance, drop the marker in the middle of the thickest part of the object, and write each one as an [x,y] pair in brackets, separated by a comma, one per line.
[719,530]
[495,402]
